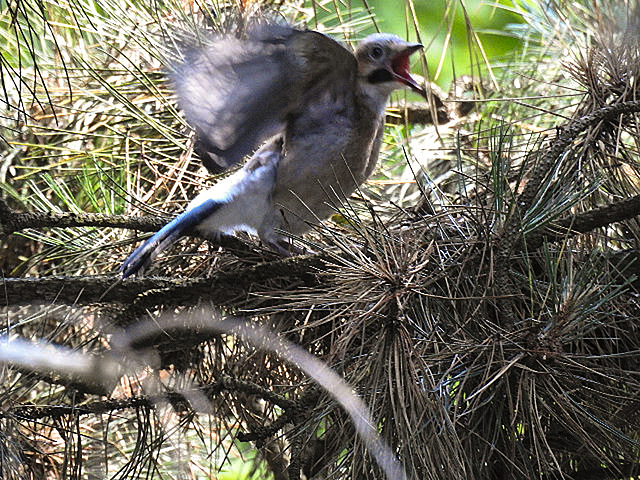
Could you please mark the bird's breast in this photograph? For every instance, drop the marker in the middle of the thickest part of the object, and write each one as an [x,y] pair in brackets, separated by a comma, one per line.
[322,165]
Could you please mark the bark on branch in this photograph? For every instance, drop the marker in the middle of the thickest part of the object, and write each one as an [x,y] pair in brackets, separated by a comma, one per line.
[220,289]
[586,221]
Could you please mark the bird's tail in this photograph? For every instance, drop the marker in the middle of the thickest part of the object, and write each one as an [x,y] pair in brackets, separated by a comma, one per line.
[140,259]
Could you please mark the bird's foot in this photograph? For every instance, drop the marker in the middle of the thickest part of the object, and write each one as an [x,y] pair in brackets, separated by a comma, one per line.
[293,249]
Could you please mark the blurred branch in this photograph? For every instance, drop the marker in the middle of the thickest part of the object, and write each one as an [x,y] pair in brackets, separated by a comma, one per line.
[65,364]
[263,338]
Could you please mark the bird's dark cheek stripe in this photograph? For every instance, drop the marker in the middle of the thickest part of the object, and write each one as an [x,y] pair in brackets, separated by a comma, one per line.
[379,76]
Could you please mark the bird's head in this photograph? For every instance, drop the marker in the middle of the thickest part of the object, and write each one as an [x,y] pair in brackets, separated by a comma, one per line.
[383,65]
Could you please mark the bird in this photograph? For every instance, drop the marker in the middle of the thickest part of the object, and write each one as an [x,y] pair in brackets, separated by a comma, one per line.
[312,107]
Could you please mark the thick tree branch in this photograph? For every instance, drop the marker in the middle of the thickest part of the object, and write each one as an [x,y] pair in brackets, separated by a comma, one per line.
[177,398]
[446,107]
[586,221]
[12,221]
[220,288]
[511,236]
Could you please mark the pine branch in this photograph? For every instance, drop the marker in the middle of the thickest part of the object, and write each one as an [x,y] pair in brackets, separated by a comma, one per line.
[153,291]
[586,221]
[176,398]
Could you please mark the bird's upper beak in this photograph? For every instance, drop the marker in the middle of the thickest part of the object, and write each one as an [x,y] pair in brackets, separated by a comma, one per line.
[400,68]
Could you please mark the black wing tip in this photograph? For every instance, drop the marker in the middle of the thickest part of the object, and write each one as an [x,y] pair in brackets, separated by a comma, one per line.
[135,265]
[144,255]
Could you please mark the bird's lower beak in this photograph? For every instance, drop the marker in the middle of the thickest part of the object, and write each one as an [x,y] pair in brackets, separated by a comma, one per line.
[400,69]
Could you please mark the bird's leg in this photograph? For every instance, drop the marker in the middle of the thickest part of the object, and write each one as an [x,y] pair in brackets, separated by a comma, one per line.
[285,247]
[277,247]
[294,249]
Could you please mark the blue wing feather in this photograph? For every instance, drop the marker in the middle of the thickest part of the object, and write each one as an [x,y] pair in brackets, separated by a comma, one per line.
[140,259]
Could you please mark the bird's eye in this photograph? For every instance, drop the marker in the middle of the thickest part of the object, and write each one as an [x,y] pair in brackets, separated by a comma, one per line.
[376,52]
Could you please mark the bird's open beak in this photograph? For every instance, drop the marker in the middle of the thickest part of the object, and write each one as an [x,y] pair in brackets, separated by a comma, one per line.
[400,68]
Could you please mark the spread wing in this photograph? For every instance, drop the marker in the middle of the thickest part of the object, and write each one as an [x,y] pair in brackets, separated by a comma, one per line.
[238,92]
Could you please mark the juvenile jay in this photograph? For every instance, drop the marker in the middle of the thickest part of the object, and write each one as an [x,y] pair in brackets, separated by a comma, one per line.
[316,108]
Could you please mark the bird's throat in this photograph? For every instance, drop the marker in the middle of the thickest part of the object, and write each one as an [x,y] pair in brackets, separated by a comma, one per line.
[380,76]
